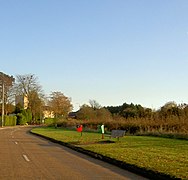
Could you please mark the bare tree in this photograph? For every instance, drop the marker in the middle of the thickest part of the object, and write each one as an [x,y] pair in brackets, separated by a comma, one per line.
[94,104]
[27,86]
[60,104]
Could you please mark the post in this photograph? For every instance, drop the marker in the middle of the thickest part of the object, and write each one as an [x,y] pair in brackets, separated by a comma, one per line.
[3,106]
[102,129]
[79,129]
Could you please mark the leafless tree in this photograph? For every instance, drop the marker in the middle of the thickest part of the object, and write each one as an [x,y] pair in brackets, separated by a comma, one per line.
[94,104]
[25,84]
[29,87]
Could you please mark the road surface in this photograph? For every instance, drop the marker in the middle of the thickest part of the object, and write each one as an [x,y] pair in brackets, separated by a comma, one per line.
[25,156]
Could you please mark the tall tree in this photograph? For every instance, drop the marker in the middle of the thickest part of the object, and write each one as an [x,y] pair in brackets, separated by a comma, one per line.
[6,83]
[60,104]
[28,88]
[36,104]
[26,84]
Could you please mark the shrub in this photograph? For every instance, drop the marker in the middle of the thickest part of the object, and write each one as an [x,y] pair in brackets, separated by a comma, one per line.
[21,119]
[49,121]
[10,120]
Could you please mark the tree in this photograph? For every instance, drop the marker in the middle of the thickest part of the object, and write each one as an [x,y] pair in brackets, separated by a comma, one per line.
[60,104]
[28,87]
[89,113]
[103,114]
[26,84]
[170,108]
[36,104]
[86,113]
[6,82]
[94,104]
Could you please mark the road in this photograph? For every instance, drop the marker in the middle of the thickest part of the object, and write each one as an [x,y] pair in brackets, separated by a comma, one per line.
[25,156]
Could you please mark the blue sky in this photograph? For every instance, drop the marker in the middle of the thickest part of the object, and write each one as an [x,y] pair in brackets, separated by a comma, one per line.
[112,51]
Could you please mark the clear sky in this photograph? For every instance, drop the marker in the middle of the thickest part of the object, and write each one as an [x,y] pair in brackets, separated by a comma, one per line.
[112,51]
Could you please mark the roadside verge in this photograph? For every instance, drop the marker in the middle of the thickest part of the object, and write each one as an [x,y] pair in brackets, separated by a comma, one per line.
[132,168]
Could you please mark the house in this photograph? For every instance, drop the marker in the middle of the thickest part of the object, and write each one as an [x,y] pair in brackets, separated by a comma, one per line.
[47,113]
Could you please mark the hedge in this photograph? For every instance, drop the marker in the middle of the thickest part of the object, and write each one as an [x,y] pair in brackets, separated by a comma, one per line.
[10,120]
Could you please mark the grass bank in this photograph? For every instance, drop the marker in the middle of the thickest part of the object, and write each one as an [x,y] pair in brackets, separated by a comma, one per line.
[161,155]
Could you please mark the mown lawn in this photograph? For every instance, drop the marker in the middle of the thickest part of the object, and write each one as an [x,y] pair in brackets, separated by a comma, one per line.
[169,156]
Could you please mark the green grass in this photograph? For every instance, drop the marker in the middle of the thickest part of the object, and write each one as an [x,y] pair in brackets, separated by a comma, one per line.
[68,136]
[169,156]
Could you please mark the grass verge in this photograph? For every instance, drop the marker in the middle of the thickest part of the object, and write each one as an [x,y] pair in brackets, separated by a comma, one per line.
[159,155]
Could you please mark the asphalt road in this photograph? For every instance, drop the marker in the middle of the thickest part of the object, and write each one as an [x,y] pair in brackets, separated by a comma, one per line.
[25,156]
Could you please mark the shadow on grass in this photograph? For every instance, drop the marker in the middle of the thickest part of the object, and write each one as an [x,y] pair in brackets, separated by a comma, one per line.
[88,143]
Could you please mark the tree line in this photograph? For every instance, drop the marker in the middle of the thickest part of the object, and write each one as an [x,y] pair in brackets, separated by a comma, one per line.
[23,97]
[170,118]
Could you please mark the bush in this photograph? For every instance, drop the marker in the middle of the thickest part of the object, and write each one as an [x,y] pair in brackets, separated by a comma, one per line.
[21,119]
[49,121]
[24,117]
[10,120]
[28,115]
[173,128]
[67,123]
